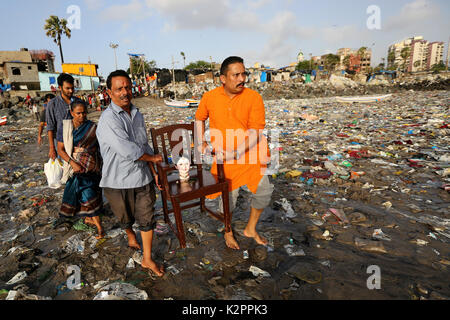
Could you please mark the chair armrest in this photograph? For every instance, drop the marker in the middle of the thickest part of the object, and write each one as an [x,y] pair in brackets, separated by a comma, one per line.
[164,167]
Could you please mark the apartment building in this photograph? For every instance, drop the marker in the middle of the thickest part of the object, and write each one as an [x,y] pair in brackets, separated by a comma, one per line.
[423,54]
[435,54]
[358,64]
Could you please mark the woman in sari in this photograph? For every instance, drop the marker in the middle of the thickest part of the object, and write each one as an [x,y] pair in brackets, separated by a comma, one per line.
[78,147]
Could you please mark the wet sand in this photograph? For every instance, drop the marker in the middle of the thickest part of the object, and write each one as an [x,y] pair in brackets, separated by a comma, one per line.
[336,255]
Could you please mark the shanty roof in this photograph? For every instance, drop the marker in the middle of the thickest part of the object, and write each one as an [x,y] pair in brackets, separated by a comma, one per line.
[15,56]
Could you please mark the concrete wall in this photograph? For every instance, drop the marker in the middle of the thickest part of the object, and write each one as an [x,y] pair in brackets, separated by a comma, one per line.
[28,72]
[82,83]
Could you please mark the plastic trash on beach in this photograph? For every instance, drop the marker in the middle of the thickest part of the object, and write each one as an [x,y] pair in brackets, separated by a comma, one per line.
[114,233]
[259,272]
[21,294]
[137,257]
[294,251]
[380,235]
[74,244]
[17,278]
[288,208]
[339,214]
[387,205]
[173,270]
[130,264]
[121,291]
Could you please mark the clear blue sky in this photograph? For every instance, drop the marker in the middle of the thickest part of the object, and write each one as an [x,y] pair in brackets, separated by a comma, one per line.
[271,32]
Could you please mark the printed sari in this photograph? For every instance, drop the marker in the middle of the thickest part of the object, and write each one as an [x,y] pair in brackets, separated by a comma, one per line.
[82,194]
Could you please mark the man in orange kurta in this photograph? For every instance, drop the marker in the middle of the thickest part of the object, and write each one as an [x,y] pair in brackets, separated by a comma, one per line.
[236,120]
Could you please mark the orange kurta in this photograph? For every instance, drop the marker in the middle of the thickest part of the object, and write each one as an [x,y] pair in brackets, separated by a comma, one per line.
[245,111]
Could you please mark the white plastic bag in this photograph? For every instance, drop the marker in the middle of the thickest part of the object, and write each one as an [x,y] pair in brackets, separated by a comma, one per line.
[53,171]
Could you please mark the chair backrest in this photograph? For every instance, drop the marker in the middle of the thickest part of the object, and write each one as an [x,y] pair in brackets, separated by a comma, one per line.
[174,141]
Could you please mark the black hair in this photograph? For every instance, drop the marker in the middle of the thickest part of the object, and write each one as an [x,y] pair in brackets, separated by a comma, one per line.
[227,62]
[77,102]
[49,96]
[117,73]
[64,77]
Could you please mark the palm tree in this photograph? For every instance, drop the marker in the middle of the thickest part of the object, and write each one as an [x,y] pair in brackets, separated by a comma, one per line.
[362,52]
[331,60]
[406,51]
[184,58]
[55,29]
[346,61]
[391,58]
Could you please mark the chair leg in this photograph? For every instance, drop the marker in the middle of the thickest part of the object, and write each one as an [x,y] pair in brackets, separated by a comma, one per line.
[226,209]
[165,208]
[179,222]
[202,205]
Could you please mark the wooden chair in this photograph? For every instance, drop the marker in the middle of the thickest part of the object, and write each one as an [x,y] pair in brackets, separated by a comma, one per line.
[179,139]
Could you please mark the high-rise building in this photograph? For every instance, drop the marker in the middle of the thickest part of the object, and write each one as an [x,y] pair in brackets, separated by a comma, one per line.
[422,54]
[435,54]
[418,56]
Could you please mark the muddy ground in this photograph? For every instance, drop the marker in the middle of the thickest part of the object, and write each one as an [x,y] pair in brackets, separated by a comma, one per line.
[405,199]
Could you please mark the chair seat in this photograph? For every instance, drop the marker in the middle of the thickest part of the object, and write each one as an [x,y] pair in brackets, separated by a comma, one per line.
[209,181]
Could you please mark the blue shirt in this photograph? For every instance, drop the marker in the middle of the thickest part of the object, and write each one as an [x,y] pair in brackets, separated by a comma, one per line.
[123,140]
[57,110]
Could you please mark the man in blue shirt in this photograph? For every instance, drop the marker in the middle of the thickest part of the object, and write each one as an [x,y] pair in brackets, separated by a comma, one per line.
[58,110]
[128,166]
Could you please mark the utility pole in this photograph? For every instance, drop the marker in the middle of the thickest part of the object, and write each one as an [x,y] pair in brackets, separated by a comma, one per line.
[90,77]
[310,61]
[114,47]
[173,76]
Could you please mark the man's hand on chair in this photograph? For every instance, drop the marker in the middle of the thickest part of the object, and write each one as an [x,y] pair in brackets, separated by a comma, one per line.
[157,158]
[157,182]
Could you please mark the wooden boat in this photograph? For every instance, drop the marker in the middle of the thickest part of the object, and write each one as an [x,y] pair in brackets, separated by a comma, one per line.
[193,102]
[367,99]
[177,104]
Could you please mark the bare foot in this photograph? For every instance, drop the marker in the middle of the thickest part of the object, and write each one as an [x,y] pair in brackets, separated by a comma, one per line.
[231,241]
[133,244]
[89,220]
[259,240]
[152,266]
[101,234]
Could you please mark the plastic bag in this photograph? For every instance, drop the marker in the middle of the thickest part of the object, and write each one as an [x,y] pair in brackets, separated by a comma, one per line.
[53,171]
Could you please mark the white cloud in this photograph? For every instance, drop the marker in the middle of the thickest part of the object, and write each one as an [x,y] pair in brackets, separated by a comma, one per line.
[94,4]
[135,10]
[416,13]
[192,14]
[257,4]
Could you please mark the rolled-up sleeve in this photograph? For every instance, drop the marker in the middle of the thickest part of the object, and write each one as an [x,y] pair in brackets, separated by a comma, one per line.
[50,116]
[257,119]
[112,134]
